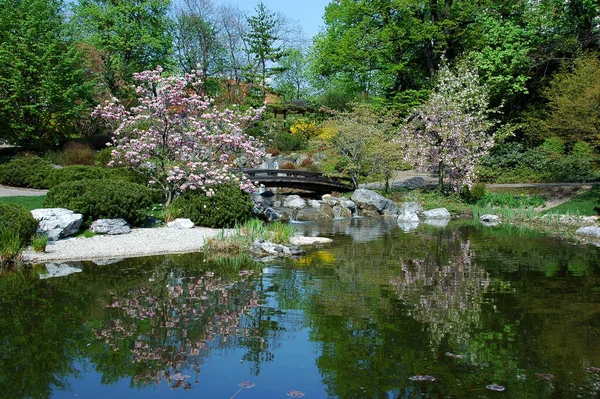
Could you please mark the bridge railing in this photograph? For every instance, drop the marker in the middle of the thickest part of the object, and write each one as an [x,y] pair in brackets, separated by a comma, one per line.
[314,176]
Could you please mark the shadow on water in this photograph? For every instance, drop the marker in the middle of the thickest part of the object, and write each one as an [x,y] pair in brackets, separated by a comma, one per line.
[451,311]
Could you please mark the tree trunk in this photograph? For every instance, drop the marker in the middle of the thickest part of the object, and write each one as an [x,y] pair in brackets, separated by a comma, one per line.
[441,176]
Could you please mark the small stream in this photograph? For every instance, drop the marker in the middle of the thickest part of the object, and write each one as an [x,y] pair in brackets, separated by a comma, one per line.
[433,312]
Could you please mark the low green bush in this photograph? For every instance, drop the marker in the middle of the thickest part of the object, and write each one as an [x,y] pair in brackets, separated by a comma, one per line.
[17,220]
[229,205]
[104,198]
[511,201]
[286,142]
[25,172]
[86,172]
[75,173]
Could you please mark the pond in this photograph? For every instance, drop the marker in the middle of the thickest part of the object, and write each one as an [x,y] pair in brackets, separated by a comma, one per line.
[436,312]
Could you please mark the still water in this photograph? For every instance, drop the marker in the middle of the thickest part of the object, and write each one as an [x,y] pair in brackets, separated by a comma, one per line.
[461,307]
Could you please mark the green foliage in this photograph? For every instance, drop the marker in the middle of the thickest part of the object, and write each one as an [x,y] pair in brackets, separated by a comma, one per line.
[511,201]
[262,39]
[102,199]
[112,28]
[228,206]
[25,172]
[583,204]
[574,101]
[18,220]
[104,156]
[474,193]
[75,173]
[28,202]
[287,142]
[39,242]
[85,172]
[10,249]
[44,89]
[513,163]
[280,233]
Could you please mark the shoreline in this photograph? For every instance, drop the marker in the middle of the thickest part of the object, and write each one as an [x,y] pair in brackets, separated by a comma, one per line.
[139,242]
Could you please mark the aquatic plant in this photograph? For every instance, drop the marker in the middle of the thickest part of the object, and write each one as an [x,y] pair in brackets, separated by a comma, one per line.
[10,249]
[39,242]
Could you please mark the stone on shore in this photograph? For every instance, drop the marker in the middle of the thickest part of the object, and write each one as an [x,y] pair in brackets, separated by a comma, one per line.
[364,198]
[490,220]
[409,212]
[592,231]
[294,202]
[303,240]
[110,226]
[57,223]
[181,224]
[438,213]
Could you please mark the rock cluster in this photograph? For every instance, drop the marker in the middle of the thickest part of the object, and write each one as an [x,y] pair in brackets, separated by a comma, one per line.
[57,223]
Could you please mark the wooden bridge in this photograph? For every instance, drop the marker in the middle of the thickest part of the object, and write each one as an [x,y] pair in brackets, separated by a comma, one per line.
[298,179]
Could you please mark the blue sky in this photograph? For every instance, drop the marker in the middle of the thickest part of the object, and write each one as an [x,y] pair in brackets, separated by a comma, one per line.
[309,13]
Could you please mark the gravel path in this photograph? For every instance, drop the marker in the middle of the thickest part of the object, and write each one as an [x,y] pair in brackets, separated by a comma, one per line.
[140,242]
[6,191]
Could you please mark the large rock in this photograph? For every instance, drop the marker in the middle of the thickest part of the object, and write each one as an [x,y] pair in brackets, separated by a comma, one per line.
[110,226]
[262,247]
[489,220]
[438,213]
[591,231]
[314,203]
[294,202]
[181,224]
[383,205]
[57,223]
[409,212]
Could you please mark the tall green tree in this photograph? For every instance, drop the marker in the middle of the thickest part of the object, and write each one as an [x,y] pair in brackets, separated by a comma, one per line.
[130,36]
[42,89]
[264,42]
[574,102]
[293,82]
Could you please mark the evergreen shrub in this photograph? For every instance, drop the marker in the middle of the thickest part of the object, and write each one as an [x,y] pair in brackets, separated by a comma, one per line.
[102,199]
[17,220]
[228,206]
[25,172]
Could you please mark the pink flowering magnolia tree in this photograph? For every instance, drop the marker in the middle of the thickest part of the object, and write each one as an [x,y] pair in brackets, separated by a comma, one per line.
[179,139]
[452,130]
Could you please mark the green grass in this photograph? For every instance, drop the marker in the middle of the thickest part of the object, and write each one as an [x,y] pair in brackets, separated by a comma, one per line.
[28,202]
[582,204]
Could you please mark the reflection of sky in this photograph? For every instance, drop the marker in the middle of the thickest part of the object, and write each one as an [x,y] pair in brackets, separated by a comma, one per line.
[291,369]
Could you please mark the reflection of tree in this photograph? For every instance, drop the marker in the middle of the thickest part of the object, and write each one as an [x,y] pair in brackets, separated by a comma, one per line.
[445,294]
[167,326]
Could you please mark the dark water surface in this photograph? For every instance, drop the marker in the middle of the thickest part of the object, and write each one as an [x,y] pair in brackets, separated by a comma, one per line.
[467,305]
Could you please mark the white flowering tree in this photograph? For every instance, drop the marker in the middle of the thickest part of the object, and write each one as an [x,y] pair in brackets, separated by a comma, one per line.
[179,139]
[452,130]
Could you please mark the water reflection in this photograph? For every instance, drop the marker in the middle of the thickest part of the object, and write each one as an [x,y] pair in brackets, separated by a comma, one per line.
[374,315]
[444,290]
[166,327]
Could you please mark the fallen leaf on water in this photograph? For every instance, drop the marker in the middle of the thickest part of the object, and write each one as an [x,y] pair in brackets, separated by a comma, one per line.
[295,394]
[422,378]
[495,387]
[246,384]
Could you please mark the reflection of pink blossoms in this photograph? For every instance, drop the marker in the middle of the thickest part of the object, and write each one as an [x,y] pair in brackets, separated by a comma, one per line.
[178,138]
[167,329]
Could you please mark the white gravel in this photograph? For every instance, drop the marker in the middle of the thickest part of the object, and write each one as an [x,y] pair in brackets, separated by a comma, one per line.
[140,242]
